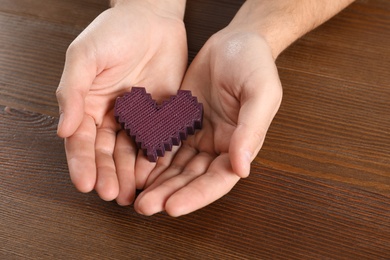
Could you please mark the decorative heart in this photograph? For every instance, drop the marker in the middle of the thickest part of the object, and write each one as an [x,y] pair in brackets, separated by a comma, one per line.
[155,128]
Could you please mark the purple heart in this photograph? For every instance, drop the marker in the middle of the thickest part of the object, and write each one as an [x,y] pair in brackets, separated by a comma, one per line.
[155,128]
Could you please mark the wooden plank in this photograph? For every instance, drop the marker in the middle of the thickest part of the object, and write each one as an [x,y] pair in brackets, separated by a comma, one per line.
[353,46]
[272,214]
[31,62]
[319,189]
[34,37]
[28,34]
[331,129]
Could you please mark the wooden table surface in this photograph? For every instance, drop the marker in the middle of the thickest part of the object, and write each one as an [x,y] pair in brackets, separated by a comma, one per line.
[319,189]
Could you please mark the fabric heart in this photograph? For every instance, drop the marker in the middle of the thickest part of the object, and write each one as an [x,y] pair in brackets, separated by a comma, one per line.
[155,128]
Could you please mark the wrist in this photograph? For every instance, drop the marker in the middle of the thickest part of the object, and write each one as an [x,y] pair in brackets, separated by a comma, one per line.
[268,22]
[169,8]
[282,22]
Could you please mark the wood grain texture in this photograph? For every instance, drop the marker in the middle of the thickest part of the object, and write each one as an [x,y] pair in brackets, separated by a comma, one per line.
[352,47]
[34,38]
[273,213]
[319,188]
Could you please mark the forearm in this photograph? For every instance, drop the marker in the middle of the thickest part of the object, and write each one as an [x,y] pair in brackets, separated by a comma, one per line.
[282,22]
[174,7]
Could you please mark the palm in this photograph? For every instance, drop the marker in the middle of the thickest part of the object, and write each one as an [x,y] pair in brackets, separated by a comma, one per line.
[142,56]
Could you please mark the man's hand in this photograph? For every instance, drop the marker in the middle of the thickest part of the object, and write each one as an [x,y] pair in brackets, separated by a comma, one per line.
[235,77]
[139,43]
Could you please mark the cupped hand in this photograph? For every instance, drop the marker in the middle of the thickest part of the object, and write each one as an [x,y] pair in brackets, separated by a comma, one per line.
[132,43]
[235,77]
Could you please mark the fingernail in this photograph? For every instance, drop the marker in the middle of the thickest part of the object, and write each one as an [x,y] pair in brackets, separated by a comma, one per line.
[60,122]
[247,162]
[248,156]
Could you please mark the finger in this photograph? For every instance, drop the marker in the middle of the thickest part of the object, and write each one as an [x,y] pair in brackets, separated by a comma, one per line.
[154,200]
[143,167]
[77,77]
[124,155]
[107,185]
[183,156]
[80,153]
[177,159]
[145,178]
[260,100]
[215,183]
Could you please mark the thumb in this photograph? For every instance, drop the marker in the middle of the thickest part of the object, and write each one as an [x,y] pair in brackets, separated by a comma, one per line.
[258,107]
[77,77]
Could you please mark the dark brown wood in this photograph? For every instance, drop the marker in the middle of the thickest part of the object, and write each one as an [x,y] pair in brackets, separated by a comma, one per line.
[34,38]
[319,188]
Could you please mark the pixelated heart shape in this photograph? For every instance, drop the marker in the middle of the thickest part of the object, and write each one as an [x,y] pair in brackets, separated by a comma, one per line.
[156,128]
